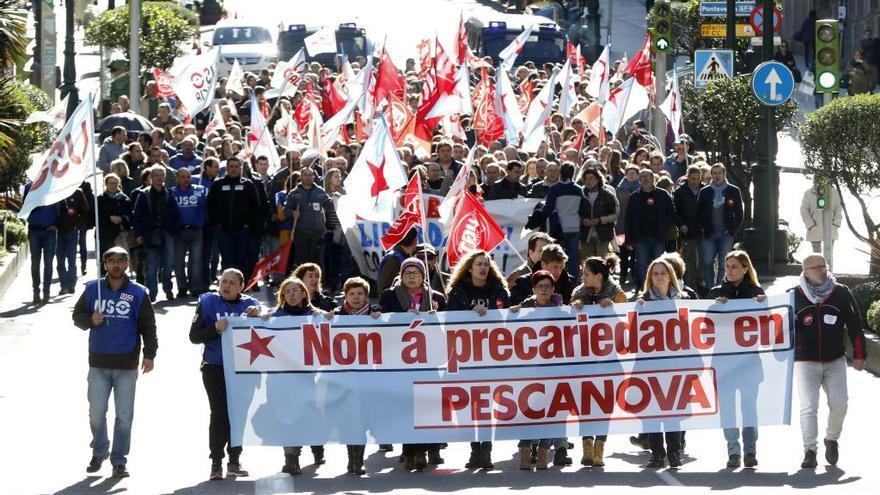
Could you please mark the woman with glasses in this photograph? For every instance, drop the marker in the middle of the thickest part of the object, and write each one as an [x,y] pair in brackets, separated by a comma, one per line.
[784,55]
[411,293]
[477,284]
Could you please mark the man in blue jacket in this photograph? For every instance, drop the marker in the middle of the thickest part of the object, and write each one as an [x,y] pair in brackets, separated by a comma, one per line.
[117,320]
[43,223]
[156,220]
[720,207]
[650,215]
[190,199]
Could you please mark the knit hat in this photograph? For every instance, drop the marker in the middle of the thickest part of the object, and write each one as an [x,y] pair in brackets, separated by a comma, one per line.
[413,262]
[541,275]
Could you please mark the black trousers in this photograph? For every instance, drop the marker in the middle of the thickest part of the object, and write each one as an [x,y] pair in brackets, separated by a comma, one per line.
[218,428]
[673,442]
[308,247]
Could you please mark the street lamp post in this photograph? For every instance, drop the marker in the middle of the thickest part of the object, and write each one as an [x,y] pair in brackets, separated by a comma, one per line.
[68,88]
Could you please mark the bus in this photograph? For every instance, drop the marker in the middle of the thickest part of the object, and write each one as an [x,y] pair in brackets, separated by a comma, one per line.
[351,41]
[488,34]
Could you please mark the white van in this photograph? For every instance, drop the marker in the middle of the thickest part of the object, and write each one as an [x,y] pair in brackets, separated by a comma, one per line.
[255,46]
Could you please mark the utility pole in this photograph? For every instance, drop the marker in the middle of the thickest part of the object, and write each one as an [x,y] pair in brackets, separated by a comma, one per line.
[69,87]
[730,40]
[36,67]
[134,53]
[770,124]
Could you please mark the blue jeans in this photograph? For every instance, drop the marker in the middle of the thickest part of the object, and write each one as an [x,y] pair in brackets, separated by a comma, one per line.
[544,443]
[189,272]
[571,243]
[716,246]
[122,383]
[66,254]
[234,245]
[42,242]
[647,249]
[159,263]
[749,440]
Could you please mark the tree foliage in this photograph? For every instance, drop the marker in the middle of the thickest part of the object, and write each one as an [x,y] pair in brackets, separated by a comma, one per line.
[18,100]
[165,27]
[13,33]
[841,146]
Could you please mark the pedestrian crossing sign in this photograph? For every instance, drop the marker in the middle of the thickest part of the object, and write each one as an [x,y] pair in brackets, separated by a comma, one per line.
[712,65]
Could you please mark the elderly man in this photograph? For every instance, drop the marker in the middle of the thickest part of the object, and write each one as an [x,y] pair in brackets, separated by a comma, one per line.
[112,148]
[826,312]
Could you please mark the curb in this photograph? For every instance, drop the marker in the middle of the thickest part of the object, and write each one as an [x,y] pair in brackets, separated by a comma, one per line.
[10,265]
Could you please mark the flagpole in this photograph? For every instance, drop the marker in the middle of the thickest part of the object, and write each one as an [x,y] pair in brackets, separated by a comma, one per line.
[98,252]
[513,248]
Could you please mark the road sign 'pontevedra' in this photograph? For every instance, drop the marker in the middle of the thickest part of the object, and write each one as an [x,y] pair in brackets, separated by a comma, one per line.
[719,9]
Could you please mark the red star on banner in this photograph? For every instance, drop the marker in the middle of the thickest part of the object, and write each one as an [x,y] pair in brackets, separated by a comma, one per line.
[258,346]
[379,183]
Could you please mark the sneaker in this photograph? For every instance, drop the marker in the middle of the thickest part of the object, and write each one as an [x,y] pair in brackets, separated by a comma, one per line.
[750,460]
[235,469]
[809,461]
[657,461]
[832,454]
[216,472]
[96,462]
[733,461]
[119,471]
[674,460]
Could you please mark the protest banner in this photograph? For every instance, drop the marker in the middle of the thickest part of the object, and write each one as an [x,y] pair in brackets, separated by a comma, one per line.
[364,236]
[538,373]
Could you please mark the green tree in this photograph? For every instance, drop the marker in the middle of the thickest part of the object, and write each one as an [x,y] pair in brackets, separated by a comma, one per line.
[165,27]
[19,99]
[13,33]
[723,120]
[841,146]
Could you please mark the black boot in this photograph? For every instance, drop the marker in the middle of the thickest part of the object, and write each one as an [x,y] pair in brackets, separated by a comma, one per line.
[560,458]
[291,465]
[474,460]
[486,456]
[434,456]
[356,460]
[318,453]
[350,450]
[809,461]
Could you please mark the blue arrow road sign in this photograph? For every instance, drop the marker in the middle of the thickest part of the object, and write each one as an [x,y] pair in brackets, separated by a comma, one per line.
[719,9]
[772,83]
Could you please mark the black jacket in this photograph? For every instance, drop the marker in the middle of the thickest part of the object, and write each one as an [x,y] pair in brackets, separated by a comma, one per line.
[390,303]
[687,212]
[820,328]
[745,290]
[649,215]
[733,209]
[505,189]
[146,218]
[522,288]
[464,296]
[73,210]
[234,203]
[604,205]
[108,207]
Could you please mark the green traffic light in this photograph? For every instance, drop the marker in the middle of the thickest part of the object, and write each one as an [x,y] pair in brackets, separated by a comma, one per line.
[821,203]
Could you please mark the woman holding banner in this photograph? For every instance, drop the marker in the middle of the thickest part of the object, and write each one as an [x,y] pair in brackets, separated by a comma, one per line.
[662,284]
[740,282]
[357,302]
[310,274]
[477,284]
[207,327]
[294,300]
[597,287]
[543,295]
[410,293]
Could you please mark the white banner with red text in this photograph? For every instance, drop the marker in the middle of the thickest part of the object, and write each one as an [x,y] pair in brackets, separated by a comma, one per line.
[538,373]
[364,236]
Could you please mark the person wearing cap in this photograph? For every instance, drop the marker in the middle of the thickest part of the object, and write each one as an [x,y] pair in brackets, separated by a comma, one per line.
[389,265]
[720,206]
[113,146]
[119,316]
[425,251]
[410,293]
[477,285]
[678,162]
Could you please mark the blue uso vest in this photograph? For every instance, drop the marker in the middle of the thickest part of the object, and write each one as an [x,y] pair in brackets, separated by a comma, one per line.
[215,308]
[121,309]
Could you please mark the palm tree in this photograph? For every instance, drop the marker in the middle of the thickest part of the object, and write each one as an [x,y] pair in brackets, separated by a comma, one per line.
[13,29]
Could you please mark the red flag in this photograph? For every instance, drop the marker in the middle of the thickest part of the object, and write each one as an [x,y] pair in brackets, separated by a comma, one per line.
[401,121]
[332,100]
[303,113]
[409,217]
[640,65]
[163,83]
[388,80]
[444,70]
[274,262]
[487,124]
[525,95]
[472,228]
[462,50]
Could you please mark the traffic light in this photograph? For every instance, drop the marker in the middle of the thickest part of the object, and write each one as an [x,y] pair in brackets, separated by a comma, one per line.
[823,196]
[827,56]
[661,27]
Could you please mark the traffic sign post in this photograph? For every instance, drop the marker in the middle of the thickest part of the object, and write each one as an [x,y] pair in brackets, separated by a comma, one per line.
[757,19]
[772,83]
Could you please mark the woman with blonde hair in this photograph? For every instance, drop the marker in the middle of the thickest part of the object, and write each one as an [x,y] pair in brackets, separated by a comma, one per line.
[311,275]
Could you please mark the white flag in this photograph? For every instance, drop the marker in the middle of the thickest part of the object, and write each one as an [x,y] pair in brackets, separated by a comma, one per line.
[507,107]
[67,163]
[456,191]
[287,75]
[216,121]
[625,102]
[195,84]
[261,138]
[322,41]
[539,111]
[55,115]
[599,78]
[568,96]
[511,51]
[376,176]
[235,83]
[671,107]
[459,102]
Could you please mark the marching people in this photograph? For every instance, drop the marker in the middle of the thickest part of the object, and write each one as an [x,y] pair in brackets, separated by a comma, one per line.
[233,208]
[562,208]
[188,249]
[120,319]
[649,218]
[690,224]
[740,282]
[553,259]
[826,314]
[156,222]
[477,284]
[308,204]
[311,275]
[209,323]
[598,212]
[662,284]
[721,210]
[114,215]
[43,223]
[410,293]
[73,209]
